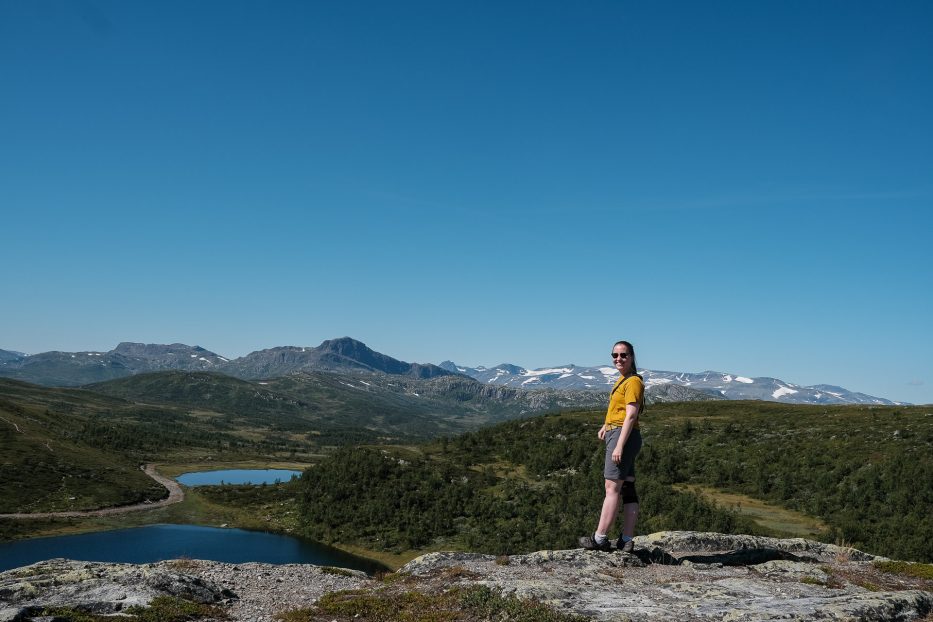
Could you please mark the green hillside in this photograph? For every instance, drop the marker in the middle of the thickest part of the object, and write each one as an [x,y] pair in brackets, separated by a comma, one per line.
[242,404]
[534,484]
[48,461]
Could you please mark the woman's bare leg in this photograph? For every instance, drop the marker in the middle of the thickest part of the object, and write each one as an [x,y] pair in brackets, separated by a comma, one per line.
[610,506]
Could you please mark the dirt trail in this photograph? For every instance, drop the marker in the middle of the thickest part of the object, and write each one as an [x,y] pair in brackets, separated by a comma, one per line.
[12,424]
[175,494]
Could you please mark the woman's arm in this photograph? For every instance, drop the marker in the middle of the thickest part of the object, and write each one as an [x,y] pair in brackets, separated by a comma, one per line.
[631,416]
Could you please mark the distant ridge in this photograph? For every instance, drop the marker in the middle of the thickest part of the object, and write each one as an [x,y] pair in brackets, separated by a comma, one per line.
[69,369]
[722,385]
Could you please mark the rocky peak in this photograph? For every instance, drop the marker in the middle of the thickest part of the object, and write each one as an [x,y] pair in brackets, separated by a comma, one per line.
[346,352]
[351,352]
[347,346]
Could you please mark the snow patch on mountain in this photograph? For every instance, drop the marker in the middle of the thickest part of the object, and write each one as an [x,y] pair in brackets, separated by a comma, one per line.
[729,385]
[782,392]
[552,370]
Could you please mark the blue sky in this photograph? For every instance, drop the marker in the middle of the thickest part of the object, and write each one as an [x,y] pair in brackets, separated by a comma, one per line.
[742,187]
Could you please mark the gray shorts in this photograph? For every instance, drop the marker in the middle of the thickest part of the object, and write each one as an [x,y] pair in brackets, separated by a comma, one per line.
[626,467]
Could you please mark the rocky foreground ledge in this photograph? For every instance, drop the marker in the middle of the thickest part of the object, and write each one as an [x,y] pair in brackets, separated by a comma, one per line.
[671,576]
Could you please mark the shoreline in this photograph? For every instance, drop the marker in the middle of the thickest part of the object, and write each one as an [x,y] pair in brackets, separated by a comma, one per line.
[392,561]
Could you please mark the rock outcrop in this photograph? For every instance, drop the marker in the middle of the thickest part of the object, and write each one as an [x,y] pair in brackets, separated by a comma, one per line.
[95,587]
[670,576]
[698,576]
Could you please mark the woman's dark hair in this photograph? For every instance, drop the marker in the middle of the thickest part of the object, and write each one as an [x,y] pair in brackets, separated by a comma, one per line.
[631,350]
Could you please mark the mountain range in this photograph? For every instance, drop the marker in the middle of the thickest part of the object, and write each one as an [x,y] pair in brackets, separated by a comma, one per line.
[68,369]
[725,385]
[346,355]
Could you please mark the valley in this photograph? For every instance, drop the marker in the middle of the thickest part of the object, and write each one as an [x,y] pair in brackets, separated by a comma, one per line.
[400,464]
[534,483]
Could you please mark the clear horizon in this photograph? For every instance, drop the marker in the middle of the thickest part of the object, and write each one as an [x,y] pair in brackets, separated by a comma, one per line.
[737,187]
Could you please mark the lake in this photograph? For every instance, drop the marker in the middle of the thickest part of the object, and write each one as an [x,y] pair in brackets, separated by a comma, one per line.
[140,545]
[236,476]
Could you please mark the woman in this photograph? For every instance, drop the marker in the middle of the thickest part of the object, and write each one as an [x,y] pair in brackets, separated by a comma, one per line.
[623,441]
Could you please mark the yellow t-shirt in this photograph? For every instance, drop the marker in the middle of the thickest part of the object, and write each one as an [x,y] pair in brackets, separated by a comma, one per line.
[629,390]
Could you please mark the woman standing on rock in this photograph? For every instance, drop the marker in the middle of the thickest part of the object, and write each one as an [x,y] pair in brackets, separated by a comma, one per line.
[623,442]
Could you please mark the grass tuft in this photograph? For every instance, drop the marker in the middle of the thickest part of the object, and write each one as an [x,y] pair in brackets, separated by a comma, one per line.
[391,577]
[844,552]
[832,581]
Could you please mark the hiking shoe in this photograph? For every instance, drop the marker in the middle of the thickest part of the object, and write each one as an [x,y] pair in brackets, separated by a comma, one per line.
[590,544]
[625,547]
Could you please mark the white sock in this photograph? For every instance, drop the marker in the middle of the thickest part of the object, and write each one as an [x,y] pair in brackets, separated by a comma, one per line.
[600,538]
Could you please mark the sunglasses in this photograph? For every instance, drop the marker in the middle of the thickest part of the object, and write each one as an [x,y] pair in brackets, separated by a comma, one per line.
[620,355]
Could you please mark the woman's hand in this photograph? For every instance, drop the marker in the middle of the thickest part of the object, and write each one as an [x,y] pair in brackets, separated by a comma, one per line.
[602,432]
[617,455]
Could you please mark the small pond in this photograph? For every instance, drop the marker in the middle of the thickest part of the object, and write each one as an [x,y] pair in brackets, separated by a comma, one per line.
[236,476]
[140,545]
